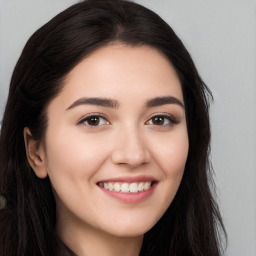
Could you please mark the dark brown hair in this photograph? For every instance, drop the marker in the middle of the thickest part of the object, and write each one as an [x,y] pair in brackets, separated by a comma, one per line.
[192,225]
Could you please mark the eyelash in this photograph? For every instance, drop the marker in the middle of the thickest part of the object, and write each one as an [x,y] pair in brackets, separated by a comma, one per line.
[87,118]
[170,119]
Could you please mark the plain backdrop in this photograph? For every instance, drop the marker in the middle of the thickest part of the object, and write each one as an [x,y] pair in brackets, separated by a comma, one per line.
[221,37]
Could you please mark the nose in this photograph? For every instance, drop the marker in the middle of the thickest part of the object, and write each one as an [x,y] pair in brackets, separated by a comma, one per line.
[130,149]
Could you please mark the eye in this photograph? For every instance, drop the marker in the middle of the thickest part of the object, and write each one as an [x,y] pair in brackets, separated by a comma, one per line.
[94,120]
[162,120]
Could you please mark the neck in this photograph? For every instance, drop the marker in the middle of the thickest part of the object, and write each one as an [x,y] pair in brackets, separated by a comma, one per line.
[87,241]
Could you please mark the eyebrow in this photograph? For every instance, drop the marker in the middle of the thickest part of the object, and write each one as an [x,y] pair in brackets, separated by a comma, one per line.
[103,102]
[111,103]
[159,101]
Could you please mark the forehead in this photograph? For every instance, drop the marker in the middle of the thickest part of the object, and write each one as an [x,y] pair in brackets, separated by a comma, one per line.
[120,71]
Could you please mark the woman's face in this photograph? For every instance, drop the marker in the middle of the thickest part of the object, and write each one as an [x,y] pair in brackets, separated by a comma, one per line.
[116,142]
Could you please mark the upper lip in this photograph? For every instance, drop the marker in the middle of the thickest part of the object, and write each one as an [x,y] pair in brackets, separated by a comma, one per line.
[130,179]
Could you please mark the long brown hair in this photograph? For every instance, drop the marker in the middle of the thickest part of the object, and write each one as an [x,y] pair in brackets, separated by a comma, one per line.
[192,225]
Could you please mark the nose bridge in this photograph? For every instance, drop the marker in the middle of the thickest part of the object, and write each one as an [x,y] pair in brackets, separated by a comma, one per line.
[131,147]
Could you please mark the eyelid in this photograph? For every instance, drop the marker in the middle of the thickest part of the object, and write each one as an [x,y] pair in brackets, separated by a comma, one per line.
[86,117]
[170,117]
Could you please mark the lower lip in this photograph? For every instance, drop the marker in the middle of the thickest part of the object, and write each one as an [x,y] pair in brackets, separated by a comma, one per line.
[131,198]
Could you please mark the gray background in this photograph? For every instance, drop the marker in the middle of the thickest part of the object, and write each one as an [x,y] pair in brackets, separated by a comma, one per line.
[221,37]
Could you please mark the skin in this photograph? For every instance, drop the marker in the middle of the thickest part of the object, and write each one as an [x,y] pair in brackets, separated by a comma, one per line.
[125,142]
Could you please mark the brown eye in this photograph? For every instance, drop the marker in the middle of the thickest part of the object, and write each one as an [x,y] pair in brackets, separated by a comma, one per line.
[158,120]
[162,120]
[94,121]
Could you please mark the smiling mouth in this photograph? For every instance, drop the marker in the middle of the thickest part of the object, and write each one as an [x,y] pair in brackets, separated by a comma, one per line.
[125,187]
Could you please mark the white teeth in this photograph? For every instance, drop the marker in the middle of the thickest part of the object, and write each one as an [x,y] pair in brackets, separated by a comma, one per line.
[133,188]
[140,187]
[110,186]
[126,187]
[147,185]
[117,187]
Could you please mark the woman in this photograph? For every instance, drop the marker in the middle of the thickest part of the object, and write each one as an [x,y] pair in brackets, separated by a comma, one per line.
[105,140]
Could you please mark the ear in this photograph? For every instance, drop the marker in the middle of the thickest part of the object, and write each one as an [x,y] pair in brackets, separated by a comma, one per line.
[35,154]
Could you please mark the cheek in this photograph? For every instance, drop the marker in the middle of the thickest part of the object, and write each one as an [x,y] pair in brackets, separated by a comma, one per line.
[171,153]
[72,162]
[175,159]
[72,157]
[67,148]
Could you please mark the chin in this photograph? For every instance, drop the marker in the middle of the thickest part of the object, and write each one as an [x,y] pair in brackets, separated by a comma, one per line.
[134,229]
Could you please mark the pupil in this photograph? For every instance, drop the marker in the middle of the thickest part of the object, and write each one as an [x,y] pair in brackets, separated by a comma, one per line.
[158,120]
[93,120]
